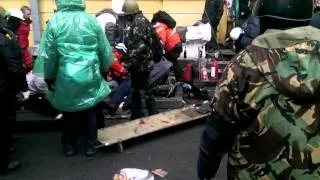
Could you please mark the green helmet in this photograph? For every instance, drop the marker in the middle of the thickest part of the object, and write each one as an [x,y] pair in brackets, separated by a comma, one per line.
[2,11]
[130,7]
[291,10]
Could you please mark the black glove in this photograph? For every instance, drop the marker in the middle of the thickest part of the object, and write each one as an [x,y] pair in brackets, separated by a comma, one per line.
[50,84]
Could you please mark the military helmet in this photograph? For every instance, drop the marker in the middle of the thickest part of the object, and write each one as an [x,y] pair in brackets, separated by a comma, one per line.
[2,11]
[130,7]
[291,10]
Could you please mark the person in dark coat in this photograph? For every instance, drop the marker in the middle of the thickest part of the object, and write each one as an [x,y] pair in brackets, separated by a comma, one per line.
[251,30]
[212,14]
[12,82]
[315,21]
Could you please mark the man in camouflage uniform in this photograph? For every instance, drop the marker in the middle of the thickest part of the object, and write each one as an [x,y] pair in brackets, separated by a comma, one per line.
[267,105]
[138,32]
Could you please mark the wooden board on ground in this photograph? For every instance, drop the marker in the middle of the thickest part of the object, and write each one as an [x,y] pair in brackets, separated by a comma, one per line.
[143,126]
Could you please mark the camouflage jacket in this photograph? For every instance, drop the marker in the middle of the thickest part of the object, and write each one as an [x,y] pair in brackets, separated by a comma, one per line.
[139,41]
[271,90]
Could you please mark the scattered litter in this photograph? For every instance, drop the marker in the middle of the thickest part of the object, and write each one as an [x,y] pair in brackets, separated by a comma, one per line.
[133,174]
[160,172]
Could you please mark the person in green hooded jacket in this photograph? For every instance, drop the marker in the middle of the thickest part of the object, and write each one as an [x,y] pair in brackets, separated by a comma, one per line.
[266,105]
[75,53]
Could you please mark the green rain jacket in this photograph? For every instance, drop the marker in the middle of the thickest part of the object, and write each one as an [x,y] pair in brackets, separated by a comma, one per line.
[75,53]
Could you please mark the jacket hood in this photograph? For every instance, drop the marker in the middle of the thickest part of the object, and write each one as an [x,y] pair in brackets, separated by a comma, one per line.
[290,61]
[70,4]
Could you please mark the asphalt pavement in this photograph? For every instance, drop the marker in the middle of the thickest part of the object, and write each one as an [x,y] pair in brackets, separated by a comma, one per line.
[175,152]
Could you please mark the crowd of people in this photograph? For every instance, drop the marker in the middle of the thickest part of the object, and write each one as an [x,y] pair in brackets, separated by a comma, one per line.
[81,70]
[265,111]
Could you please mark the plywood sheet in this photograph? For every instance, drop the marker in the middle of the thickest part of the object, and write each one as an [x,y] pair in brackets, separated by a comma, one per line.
[143,126]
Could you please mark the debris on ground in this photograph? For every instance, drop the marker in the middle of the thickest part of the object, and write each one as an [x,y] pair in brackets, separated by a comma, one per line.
[132,173]
[160,172]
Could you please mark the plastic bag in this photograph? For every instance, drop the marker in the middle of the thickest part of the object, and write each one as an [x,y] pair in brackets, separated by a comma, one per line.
[133,174]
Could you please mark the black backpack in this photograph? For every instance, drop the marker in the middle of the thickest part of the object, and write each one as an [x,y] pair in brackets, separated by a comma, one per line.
[157,47]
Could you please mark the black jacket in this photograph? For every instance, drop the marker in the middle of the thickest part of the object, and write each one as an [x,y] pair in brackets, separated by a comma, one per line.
[315,21]
[251,29]
[12,72]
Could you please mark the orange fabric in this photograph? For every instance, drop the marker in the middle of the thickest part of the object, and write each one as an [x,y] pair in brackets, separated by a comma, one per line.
[173,39]
[161,31]
[169,37]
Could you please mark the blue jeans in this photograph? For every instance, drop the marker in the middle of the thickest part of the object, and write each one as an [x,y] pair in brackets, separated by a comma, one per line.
[122,91]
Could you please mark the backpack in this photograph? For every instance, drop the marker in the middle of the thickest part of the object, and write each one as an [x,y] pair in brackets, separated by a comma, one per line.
[157,46]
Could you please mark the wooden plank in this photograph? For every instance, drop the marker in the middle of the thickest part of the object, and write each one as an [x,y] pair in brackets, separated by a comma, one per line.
[143,126]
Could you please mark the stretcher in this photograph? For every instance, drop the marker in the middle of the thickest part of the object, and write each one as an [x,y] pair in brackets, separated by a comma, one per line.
[119,133]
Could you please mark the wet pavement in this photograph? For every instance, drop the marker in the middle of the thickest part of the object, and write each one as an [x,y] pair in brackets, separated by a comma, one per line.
[174,151]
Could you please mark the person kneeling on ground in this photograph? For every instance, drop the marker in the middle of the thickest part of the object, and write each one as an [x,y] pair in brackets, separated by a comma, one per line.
[119,74]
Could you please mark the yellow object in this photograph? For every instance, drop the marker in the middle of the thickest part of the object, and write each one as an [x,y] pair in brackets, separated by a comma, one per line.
[185,12]
[223,26]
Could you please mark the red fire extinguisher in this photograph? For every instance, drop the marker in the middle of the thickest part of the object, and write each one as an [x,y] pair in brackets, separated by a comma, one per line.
[215,70]
[204,74]
[187,73]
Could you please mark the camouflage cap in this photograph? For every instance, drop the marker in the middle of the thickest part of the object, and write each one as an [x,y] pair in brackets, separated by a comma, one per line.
[2,11]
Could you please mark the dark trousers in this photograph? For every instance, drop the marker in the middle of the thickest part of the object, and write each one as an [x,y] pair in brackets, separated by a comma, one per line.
[213,11]
[77,124]
[5,131]
[141,90]
[216,140]
[5,139]
[172,56]
[212,44]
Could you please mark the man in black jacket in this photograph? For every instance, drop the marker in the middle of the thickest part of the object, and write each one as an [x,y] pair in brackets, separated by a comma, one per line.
[213,11]
[12,82]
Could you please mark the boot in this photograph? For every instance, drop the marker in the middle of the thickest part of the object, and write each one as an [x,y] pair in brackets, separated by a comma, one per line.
[92,148]
[69,149]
